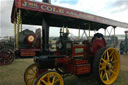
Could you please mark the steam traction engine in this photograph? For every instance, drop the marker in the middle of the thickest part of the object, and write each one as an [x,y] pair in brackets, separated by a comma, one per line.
[6,52]
[71,57]
[29,43]
[74,58]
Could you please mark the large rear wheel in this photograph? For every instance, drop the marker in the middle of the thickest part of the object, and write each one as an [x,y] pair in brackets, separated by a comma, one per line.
[50,78]
[30,74]
[106,65]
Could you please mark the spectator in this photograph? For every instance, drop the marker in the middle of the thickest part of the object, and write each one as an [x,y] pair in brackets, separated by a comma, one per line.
[121,48]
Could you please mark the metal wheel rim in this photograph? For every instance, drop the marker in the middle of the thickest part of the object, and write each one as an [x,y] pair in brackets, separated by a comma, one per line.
[7,57]
[31,74]
[109,67]
[51,78]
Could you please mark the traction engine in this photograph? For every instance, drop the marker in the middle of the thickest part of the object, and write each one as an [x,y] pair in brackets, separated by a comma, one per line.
[74,58]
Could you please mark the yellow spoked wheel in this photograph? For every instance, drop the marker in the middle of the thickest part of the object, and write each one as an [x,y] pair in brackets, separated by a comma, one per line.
[50,78]
[30,74]
[107,65]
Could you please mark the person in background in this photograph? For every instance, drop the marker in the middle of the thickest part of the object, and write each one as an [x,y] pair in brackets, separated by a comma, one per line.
[121,48]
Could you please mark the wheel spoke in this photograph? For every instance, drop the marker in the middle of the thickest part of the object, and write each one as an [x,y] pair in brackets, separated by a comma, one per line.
[115,61]
[107,76]
[53,80]
[44,82]
[33,70]
[103,66]
[56,81]
[48,76]
[112,58]
[104,74]
[112,71]
[111,53]
[30,74]
[30,78]
[101,73]
[108,56]
[32,81]
[104,60]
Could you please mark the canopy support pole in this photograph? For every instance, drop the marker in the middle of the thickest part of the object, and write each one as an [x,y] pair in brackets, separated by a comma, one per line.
[114,42]
[126,42]
[15,32]
[89,32]
[84,32]
[18,25]
[79,34]
[45,35]
[104,32]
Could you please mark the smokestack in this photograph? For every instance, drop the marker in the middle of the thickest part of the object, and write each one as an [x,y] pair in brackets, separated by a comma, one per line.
[47,1]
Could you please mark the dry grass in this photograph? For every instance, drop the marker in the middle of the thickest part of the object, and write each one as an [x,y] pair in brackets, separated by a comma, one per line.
[13,74]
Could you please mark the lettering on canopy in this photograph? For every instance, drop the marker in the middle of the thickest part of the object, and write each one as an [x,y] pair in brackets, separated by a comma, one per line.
[55,10]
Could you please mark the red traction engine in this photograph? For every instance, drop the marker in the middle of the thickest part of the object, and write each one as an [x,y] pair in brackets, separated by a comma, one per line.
[71,58]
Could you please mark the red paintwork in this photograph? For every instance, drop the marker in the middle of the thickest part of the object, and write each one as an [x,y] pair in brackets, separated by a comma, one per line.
[80,69]
[30,49]
[65,60]
[76,67]
[40,71]
[97,44]
[80,62]
[28,52]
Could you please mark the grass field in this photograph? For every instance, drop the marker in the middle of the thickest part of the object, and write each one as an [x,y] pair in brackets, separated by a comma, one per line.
[13,74]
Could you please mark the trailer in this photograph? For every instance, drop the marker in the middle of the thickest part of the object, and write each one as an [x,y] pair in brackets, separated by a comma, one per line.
[70,58]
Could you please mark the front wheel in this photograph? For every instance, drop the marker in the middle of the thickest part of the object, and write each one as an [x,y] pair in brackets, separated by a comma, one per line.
[106,65]
[30,74]
[50,78]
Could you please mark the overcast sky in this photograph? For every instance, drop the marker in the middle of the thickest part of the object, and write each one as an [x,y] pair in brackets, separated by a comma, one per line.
[113,9]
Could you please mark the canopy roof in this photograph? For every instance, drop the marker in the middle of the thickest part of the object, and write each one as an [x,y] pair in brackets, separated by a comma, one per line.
[33,13]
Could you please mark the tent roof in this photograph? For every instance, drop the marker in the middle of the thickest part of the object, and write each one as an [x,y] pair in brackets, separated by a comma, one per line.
[34,12]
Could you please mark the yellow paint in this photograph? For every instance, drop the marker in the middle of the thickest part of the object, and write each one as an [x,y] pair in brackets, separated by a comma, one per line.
[30,74]
[56,78]
[63,29]
[31,38]
[109,66]
[18,25]
[67,31]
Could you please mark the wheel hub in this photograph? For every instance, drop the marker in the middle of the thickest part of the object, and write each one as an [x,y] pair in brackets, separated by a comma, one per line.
[109,66]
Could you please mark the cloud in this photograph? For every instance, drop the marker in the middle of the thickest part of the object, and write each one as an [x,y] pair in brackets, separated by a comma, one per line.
[113,9]
[5,17]
[6,27]
[119,6]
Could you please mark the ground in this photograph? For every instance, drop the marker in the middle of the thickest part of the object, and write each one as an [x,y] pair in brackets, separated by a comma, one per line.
[13,74]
